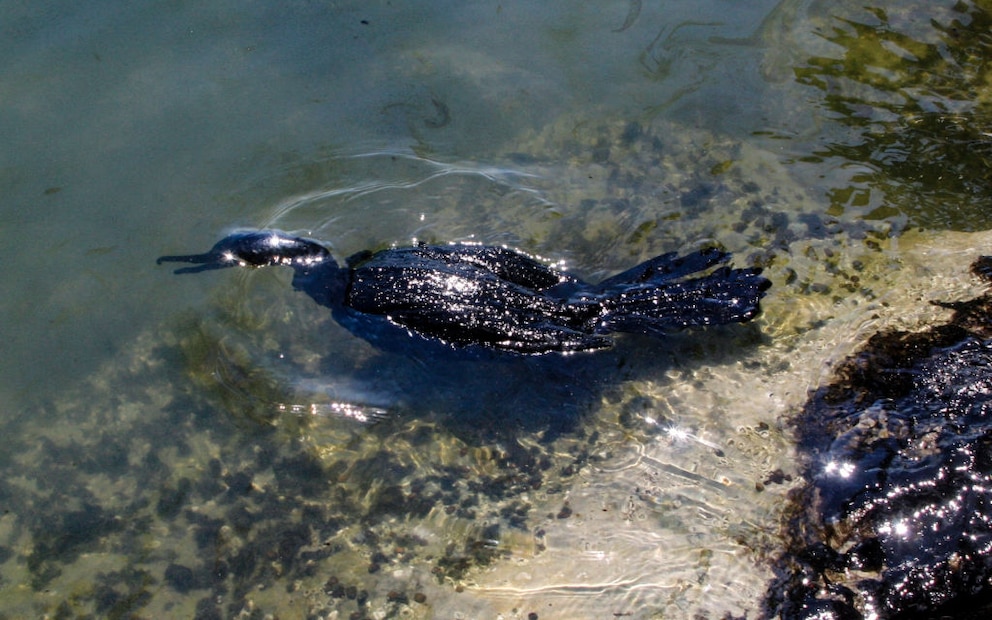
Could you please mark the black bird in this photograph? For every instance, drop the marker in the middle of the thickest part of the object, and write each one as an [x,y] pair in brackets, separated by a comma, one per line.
[474,297]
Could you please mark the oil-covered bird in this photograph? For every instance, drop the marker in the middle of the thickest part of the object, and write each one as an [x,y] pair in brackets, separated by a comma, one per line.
[490,298]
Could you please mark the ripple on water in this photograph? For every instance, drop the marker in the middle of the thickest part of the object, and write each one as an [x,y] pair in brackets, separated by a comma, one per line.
[181,478]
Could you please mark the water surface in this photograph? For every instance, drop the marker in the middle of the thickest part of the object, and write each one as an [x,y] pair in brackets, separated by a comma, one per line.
[199,445]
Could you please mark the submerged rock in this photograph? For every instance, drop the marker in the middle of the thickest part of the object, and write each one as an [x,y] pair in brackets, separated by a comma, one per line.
[895,520]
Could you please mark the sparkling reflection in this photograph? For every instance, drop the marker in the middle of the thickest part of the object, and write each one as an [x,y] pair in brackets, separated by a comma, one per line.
[841,469]
[352,411]
[898,528]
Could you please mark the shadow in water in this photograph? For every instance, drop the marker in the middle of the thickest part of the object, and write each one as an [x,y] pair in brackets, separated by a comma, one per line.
[481,400]
[485,401]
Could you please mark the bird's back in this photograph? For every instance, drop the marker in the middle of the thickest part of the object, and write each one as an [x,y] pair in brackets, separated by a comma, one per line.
[469,294]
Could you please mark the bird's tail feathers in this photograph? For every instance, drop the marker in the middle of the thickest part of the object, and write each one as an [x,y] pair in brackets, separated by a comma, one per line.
[671,292]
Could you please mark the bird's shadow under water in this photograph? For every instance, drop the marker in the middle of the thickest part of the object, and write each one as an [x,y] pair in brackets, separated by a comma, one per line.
[481,399]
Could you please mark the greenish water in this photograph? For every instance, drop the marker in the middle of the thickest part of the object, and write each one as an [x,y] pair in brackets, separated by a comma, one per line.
[183,446]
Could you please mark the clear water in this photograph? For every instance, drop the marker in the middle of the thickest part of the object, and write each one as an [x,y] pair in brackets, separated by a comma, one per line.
[197,445]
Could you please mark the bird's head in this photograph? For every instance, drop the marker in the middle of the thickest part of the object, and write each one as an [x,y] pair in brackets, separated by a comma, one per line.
[255,249]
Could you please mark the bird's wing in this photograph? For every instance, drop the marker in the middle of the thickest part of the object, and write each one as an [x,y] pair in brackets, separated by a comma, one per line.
[464,302]
[511,266]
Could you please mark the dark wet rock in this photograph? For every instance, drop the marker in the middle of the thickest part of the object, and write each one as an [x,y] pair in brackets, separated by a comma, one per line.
[300,475]
[895,520]
[209,487]
[110,457]
[479,550]
[218,571]
[265,455]
[206,533]
[241,519]
[515,514]
[63,536]
[396,596]
[335,588]
[215,468]
[105,455]
[697,195]
[171,500]
[62,612]
[291,540]
[313,513]
[181,578]
[238,484]
[331,526]
[632,132]
[389,500]
[105,598]
[243,563]
[111,603]
[206,609]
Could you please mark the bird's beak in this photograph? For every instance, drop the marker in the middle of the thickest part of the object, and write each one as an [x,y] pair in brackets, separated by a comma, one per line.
[208,261]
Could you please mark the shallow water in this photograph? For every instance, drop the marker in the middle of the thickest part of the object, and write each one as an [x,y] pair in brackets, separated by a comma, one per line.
[199,444]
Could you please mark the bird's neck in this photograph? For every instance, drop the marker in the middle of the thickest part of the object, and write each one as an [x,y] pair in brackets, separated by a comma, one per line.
[325,282]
